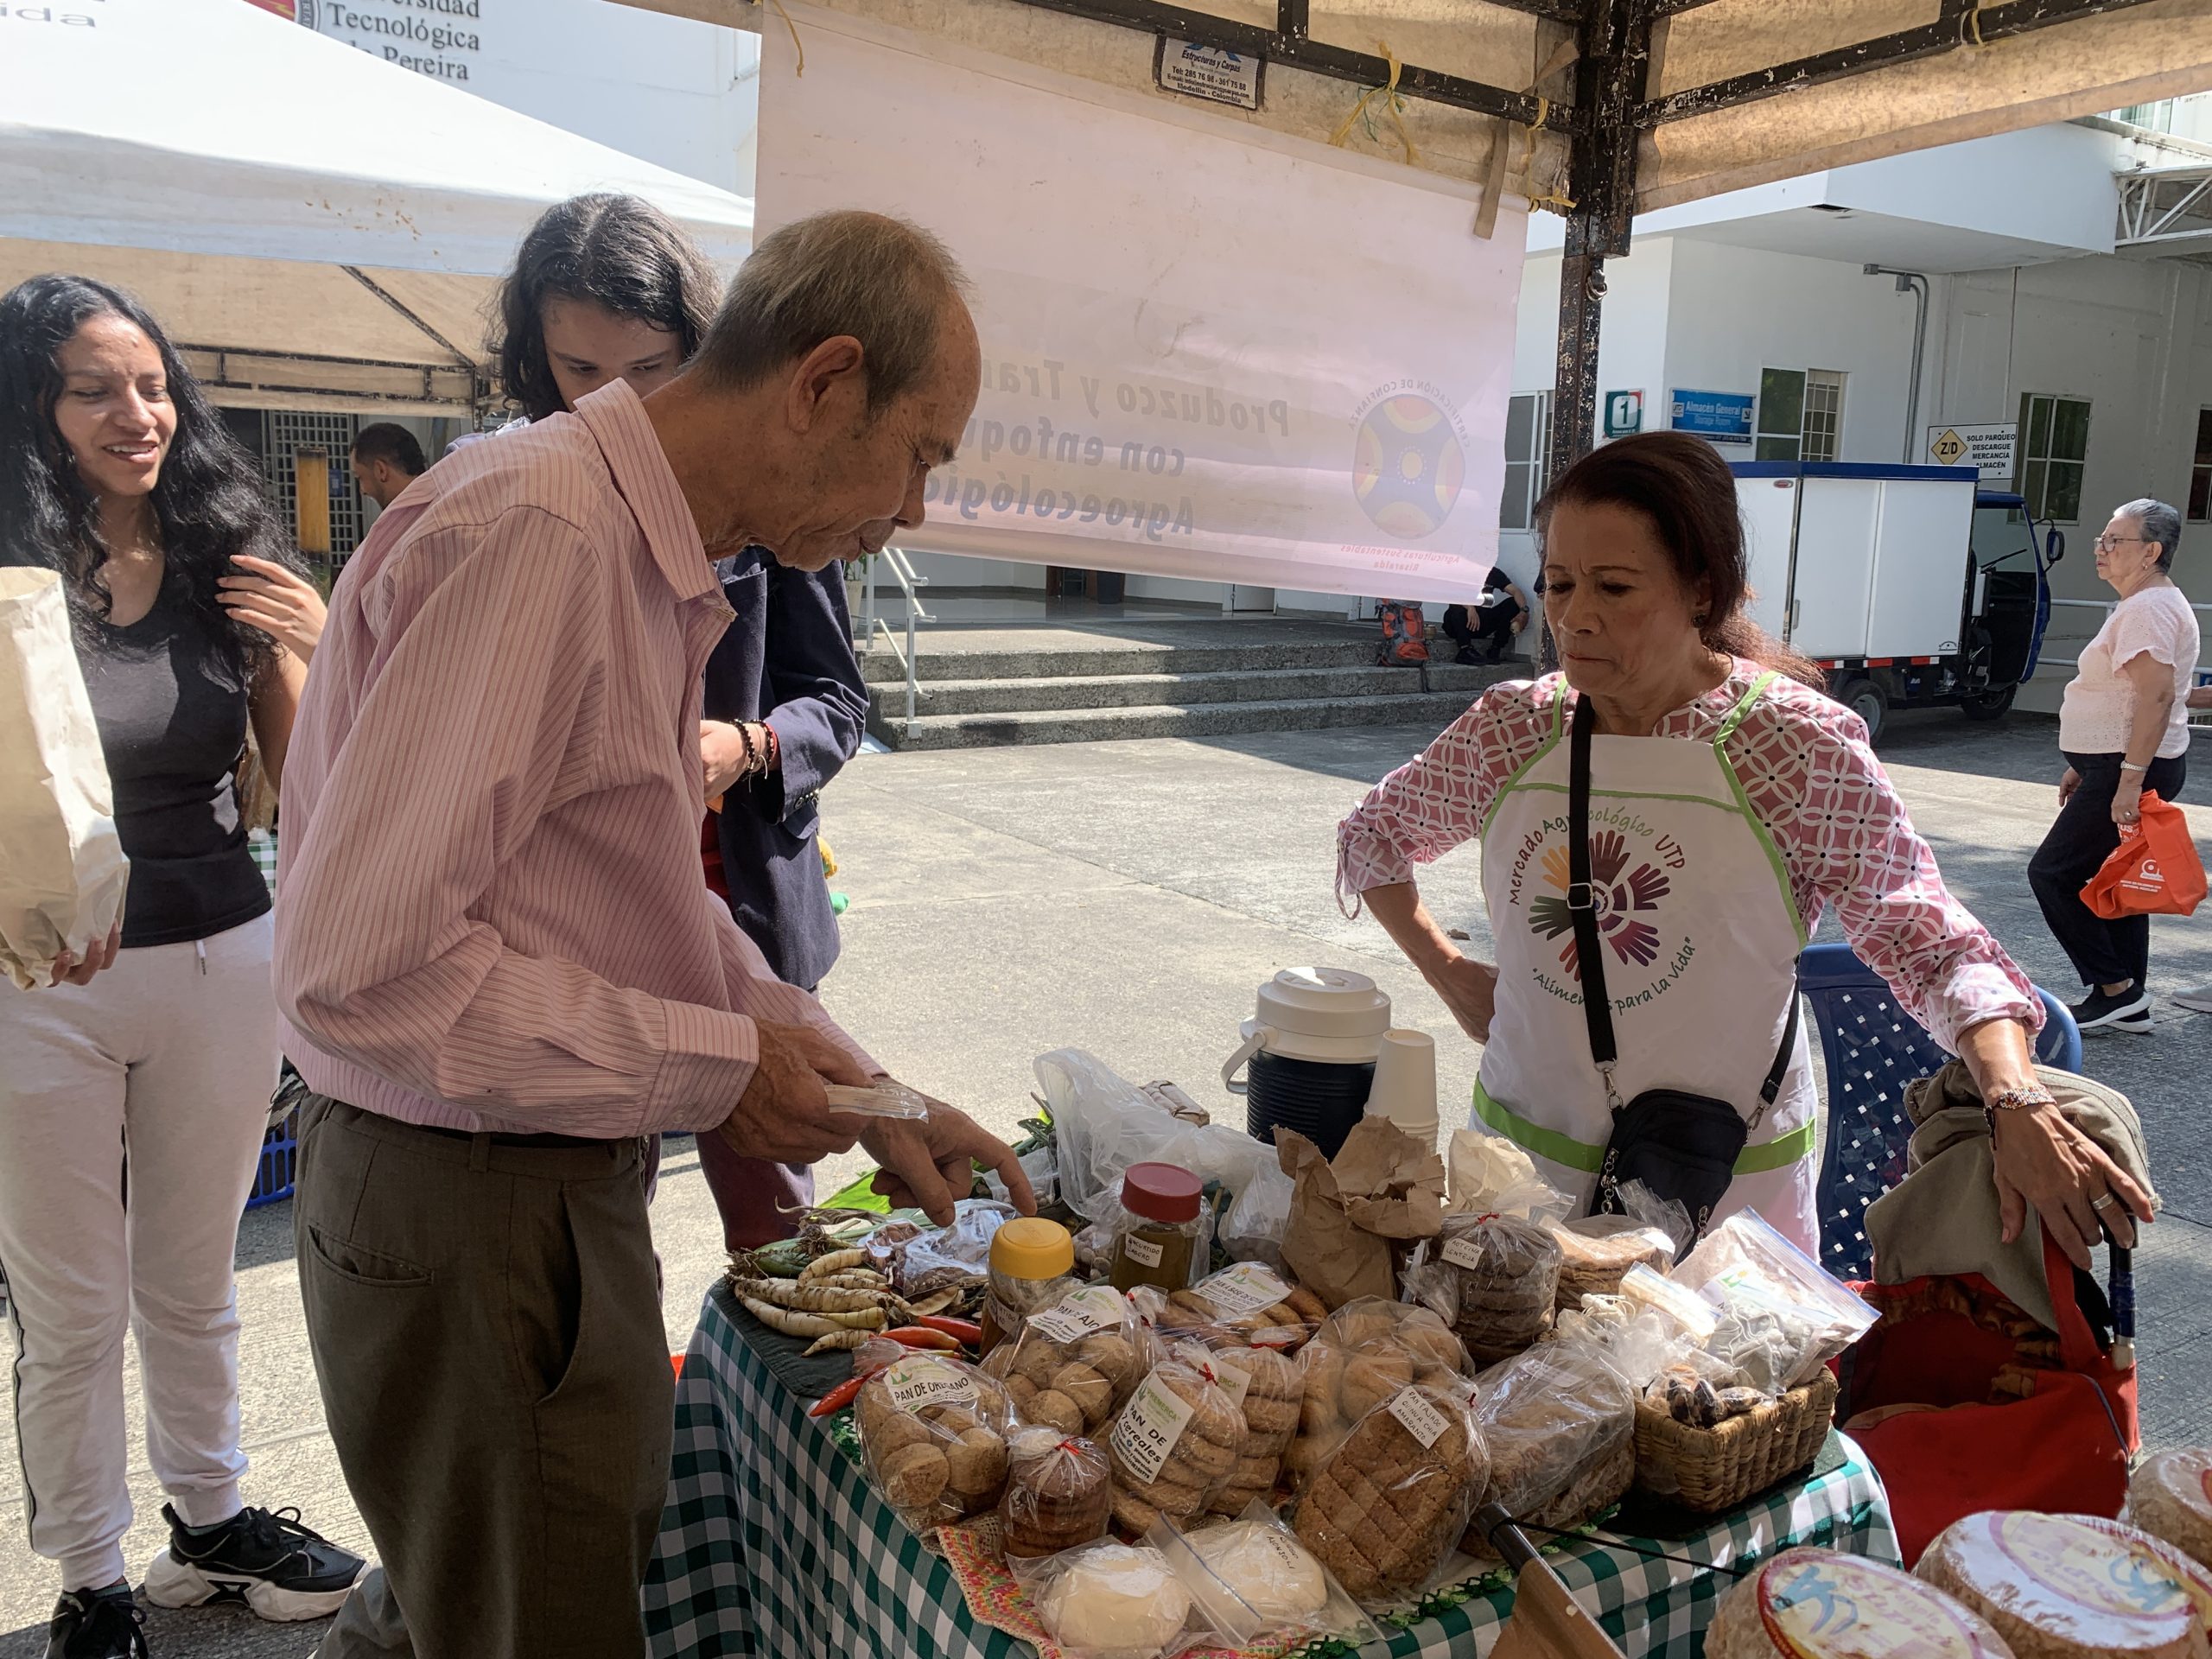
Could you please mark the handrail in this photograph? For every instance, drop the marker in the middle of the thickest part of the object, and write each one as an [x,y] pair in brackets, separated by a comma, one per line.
[910,585]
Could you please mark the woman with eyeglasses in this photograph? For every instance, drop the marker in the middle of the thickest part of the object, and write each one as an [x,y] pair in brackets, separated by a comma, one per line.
[2123,729]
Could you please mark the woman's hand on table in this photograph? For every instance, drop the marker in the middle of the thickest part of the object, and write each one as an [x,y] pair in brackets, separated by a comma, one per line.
[931,1165]
[784,1115]
[2043,1160]
[284,605]
[1469,988]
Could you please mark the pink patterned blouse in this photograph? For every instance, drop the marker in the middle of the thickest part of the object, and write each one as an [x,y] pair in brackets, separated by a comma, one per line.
[1814,783]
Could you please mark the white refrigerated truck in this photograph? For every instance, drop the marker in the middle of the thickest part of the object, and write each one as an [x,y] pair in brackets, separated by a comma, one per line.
[1913,585]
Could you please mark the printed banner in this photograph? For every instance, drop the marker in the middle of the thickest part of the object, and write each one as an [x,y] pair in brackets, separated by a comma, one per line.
[1209,352]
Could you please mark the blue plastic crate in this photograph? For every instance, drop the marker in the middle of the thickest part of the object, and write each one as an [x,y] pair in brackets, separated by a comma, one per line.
[279,1161]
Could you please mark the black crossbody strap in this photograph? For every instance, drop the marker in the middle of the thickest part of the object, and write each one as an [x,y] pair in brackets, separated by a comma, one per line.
[1582,910]
[1581,899]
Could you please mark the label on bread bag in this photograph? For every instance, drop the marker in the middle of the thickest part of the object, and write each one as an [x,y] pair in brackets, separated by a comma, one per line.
[1418,1417]
[1464,1253]
[1080,1313]
[1245,1289]
[1150,1424]
[917,1384]
[1231,1379]
[1145,1252]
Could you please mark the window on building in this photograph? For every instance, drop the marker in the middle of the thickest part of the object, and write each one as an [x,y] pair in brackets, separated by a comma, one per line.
[1801,414]
[2054,445]
[2200,471]
[1528,458]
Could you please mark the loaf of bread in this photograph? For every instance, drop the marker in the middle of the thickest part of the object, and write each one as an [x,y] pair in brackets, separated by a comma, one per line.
[2056,1589]
[1388,1504]
[1549,1418]
[1173,1446]
[1501,1276]
[934,1438]
[1815,1604]
[2170,1497]
[1075,1363]
[1364,1354]
[1249,1301]
[1114,1599]
[1597,1253]
[1059,1493]
[1601,1482]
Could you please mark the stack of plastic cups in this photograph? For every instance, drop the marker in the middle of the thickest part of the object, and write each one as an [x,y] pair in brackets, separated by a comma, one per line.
[1405,1083]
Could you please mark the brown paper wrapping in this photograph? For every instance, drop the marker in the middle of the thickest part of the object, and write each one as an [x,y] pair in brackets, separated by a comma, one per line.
[1352,1223]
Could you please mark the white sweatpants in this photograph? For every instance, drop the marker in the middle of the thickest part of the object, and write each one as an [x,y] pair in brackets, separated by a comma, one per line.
[162,1065]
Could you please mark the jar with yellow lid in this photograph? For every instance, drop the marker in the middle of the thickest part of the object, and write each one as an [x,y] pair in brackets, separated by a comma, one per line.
[1033,1265]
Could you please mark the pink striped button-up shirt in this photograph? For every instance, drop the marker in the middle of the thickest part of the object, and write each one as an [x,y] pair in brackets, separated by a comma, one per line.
[493,913]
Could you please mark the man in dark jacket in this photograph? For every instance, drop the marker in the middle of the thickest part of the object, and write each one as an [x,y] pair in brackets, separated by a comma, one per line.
[786,708]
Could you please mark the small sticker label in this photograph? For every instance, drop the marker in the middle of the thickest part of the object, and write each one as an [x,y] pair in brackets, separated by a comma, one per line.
[1245,1289]
[1417,1417]
[1080,1313]
[1150,1424]
[1212,72]
[1232,1380]
[1143,1251]
[1464,1253]
[917,1384]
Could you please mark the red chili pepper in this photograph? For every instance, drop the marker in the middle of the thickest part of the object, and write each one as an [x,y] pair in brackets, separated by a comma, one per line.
[915,1336]
[838,1398]
[966,1331]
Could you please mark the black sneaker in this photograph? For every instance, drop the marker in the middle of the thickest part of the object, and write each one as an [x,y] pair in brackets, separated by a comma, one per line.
[264,1558]
[2129,1011]
[96,1625]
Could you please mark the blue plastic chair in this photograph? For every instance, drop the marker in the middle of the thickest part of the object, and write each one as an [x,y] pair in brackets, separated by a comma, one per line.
[1874,1049]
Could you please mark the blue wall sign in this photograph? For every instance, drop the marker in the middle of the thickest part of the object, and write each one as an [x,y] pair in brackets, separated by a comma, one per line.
[1724,417]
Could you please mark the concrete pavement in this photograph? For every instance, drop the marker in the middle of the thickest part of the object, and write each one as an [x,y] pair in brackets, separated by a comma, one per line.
[1128,898]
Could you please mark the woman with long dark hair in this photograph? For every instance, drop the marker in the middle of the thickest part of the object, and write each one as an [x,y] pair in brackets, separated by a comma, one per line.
[606,286]
[146,1068]
[1725,803]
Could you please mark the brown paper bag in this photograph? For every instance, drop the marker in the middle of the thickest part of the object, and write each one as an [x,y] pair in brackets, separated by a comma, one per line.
[62,871]
[1352,1223]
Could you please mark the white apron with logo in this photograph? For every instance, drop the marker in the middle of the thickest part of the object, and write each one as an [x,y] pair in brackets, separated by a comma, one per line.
[1700,936]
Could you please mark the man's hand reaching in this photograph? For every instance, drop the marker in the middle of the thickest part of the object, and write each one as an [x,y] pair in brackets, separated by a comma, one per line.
[931,1165]
[784,1115]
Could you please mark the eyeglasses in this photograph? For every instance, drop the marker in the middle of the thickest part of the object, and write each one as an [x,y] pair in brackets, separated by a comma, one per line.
[2106,543]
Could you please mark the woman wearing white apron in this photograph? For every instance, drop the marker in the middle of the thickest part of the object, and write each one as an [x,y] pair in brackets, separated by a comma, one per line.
[1729,803]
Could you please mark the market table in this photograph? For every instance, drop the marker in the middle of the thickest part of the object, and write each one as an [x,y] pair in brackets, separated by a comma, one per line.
[773,1543]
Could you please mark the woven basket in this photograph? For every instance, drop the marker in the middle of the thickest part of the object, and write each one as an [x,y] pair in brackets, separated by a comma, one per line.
[1711,1470]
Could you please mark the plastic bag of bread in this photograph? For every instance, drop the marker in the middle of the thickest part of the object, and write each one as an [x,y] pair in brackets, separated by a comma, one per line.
[1815,1604]
[1255,1583]
[2055,1589]
[1172,1445]
[1596,1252]
[2170,1497]
[1561,1426]
[1076,1363]
[1059,1492]
[1494,1278]
[1110,1601]
[1364,1353]
[1251,1301]
[933,1434]
[1384,1510]
[1267,1386]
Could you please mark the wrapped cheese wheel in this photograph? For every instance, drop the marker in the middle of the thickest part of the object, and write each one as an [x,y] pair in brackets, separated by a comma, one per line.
[2055,1589]
[2194,1577]
[2170,1497]
[1815,1603]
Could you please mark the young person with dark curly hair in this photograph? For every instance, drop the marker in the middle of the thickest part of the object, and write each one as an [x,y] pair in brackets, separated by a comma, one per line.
[133,1095]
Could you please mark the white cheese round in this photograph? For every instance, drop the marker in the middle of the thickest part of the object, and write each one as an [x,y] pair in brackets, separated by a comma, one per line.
[2170,1497]
[2057,1589]
[1815,1604]
[1116,1599]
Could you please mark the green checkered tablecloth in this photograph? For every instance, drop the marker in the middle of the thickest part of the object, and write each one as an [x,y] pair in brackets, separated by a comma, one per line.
[774,1544]
[262,846]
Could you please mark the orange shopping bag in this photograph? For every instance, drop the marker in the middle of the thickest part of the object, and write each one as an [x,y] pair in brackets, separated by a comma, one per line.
[2153,871]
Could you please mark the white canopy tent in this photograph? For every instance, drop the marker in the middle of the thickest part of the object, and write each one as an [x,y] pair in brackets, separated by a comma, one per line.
[323,230]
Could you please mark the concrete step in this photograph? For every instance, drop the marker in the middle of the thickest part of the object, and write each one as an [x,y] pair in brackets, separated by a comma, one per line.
[1437,708]
[1114,657]
[1034,695]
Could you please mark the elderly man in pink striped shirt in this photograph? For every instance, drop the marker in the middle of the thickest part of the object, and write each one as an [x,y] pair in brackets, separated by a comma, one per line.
[502,969]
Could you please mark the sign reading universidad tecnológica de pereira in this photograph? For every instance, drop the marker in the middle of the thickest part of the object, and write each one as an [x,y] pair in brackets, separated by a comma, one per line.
[1723,417]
